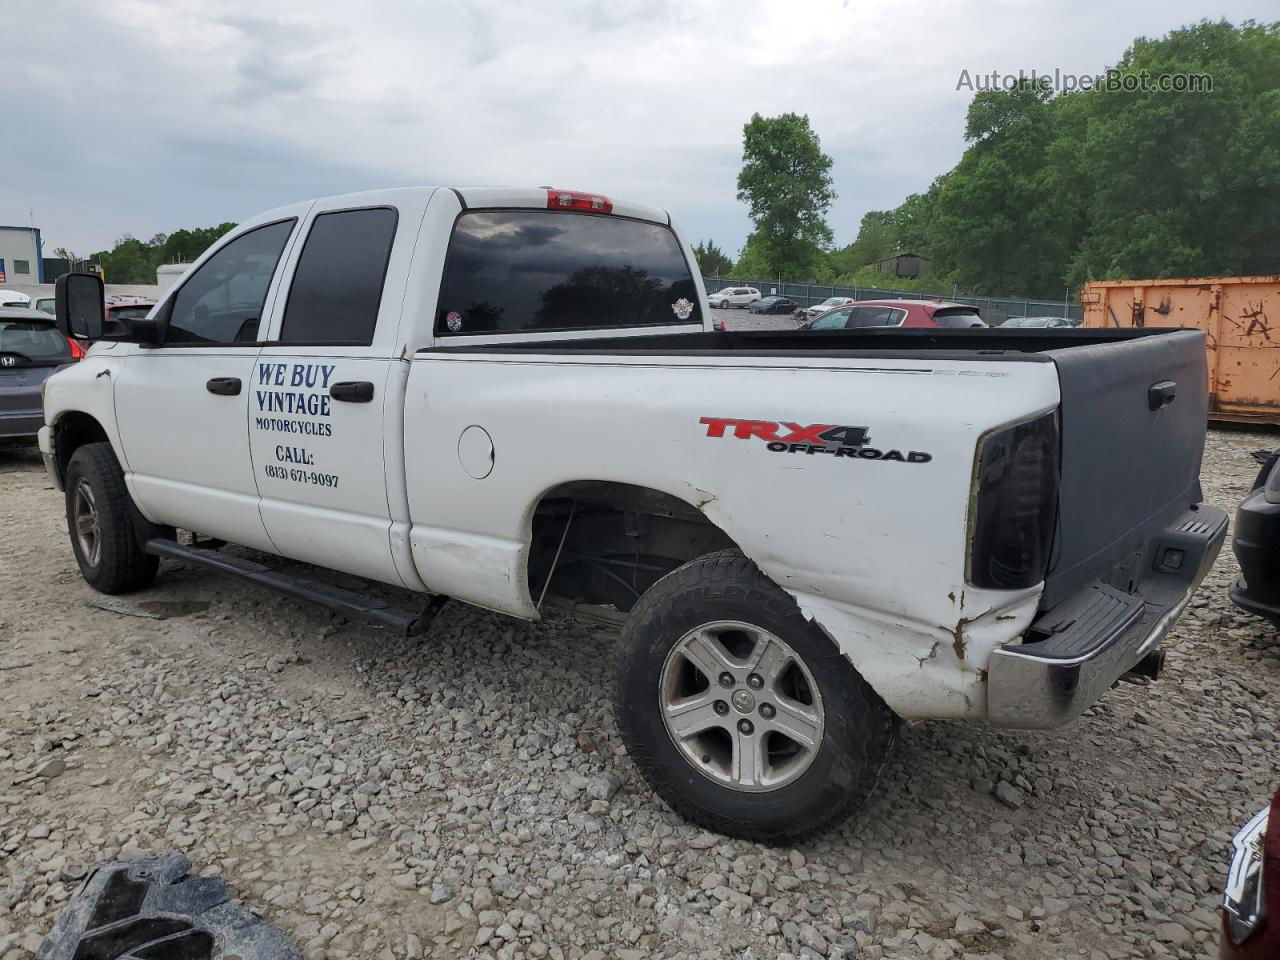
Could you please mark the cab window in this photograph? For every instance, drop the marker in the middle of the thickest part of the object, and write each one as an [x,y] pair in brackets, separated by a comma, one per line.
[337,287]
[532,270]
[222,301]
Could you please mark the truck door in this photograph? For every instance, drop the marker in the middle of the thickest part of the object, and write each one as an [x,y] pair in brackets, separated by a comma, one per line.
[327,392]
[181,407]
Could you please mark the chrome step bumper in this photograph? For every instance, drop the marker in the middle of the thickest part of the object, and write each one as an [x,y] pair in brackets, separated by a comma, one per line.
[1082,646]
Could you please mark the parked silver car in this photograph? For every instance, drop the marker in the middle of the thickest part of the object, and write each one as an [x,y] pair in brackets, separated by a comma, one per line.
[31,348]
[734,297]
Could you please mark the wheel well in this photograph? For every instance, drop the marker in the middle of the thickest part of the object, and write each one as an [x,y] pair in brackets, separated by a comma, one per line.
[606,543]
[72,431]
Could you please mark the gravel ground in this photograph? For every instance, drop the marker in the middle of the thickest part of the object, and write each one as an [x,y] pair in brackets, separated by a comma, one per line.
[466,794]
[742,319]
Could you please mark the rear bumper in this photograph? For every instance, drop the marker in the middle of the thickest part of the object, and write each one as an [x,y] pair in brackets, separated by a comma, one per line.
[1078,649]
[1256,541]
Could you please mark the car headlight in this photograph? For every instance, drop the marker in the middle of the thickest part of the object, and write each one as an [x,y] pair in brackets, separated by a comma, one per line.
[1242,896]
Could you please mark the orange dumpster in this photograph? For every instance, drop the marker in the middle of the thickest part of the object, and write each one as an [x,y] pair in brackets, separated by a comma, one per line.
[1241,320]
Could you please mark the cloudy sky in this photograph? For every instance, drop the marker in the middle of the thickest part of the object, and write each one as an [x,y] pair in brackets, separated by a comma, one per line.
[132,116]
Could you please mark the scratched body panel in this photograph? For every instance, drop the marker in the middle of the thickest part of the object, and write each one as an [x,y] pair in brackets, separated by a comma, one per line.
[872,545]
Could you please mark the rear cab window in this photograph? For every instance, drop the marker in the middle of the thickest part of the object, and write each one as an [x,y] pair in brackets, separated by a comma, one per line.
[31,343]
[529,270]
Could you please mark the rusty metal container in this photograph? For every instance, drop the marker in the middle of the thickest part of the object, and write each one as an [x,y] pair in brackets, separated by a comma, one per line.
[1241,320]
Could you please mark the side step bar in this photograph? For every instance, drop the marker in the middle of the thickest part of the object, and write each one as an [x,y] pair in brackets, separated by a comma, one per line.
[353,606]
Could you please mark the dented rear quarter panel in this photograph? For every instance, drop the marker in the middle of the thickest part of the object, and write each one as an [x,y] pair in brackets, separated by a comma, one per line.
[872,550]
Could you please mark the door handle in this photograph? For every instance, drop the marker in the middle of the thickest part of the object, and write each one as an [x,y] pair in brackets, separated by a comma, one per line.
[352,391]
[1161,394]
[224,386]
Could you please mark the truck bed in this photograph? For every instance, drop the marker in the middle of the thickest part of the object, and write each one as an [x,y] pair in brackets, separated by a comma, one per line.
[1131,412]
[991,343]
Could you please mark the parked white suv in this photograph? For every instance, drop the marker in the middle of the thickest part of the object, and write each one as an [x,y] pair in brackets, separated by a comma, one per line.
[734,297]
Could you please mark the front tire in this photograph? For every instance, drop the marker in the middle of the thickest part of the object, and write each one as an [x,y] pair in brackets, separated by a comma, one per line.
[724,304]
[100,520]
[740,713]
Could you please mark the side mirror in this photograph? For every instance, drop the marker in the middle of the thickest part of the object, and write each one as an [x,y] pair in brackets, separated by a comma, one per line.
[79,305]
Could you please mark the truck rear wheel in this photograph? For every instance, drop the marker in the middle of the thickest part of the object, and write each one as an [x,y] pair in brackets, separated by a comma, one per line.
[100,521]
[740,713]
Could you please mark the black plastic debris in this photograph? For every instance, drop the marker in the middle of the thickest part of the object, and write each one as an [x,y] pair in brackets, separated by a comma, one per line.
[149,909]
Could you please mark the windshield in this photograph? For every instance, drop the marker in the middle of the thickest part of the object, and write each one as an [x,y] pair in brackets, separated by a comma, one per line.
[31,343]
[44,305]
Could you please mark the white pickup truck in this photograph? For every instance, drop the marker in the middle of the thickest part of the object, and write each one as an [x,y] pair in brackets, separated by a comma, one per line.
[515,397]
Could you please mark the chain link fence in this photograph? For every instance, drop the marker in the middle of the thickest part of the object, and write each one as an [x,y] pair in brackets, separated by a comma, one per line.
[994,310]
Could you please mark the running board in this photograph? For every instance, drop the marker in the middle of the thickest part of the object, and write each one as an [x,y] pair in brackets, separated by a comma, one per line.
[354,606]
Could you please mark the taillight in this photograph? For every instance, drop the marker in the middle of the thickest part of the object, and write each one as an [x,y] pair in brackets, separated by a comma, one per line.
[77,349]
[573,200]
[1016,505]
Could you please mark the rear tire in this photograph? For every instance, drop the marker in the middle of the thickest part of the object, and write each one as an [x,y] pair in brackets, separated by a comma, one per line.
[100,521]
[721,753]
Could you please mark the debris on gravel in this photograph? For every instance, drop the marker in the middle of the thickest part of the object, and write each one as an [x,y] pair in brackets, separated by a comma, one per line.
[466,793]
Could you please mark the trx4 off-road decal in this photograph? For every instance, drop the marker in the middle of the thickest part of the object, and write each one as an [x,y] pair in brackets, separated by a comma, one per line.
[783,436]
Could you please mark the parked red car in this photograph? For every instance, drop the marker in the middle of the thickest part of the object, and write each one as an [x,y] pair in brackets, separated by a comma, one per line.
[121,307]
[1251,899]
[896,313]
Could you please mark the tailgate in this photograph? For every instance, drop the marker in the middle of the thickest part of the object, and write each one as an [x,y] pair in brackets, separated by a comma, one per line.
[1133,426]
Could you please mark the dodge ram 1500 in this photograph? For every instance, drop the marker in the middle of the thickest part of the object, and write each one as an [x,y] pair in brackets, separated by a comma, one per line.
[515,397]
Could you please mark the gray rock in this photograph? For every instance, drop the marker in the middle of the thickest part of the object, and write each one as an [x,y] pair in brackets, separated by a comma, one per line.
[603,786]
[1008,794]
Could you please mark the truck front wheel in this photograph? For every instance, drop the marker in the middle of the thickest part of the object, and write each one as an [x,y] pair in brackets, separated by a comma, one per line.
[739,712]
[100,521]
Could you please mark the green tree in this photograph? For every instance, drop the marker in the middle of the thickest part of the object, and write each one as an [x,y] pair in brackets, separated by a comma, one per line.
[134,261]
[1002,220]
[129,261]
[786,183]
[711,259]
[753,260]
[1112,183]
[1186,184]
